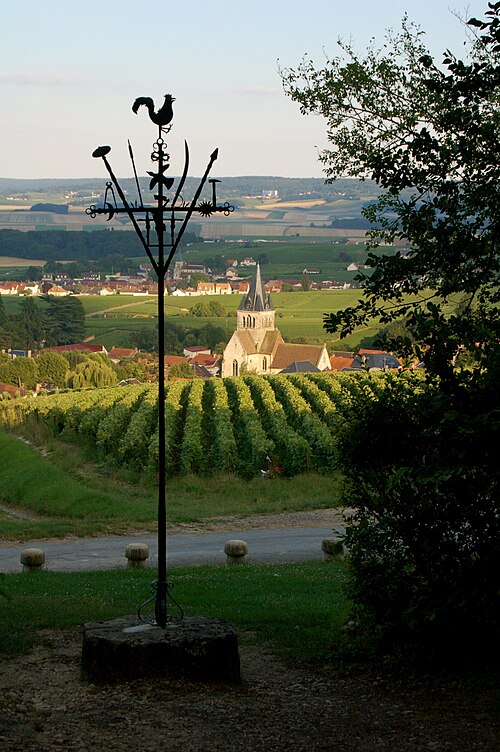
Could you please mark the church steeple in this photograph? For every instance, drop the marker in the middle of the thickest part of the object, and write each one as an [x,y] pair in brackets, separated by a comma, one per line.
[256,312]
[256,299]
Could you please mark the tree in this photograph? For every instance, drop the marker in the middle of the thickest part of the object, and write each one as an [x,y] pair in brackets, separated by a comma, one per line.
[419,463]
[197,277]
[3,314]
[66,320]
[208,309]
[91,373]
[428,135]
[24,372]
[32,320]
[181,371]
[52,368]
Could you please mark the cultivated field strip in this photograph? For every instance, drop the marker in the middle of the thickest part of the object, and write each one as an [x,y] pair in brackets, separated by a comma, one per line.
[240,425]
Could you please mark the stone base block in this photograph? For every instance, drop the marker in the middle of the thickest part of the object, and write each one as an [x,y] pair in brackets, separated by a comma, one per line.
[32,559]
[125,649]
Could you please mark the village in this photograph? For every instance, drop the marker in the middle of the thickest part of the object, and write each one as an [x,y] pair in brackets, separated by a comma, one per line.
[256,346]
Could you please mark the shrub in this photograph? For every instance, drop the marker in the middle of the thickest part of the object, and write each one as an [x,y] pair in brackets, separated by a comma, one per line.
[422,475]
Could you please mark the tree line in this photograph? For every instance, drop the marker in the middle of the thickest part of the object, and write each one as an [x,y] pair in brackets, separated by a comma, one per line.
[421,469]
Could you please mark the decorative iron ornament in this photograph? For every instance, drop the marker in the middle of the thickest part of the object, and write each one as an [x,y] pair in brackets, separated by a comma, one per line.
[164,224]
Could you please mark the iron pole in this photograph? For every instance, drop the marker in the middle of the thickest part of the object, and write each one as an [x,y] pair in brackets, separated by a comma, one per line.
[161,594]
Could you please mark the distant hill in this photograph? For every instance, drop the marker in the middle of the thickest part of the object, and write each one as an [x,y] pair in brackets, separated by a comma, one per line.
[229,187]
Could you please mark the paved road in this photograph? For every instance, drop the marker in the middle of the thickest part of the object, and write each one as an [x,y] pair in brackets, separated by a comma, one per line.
[270,545]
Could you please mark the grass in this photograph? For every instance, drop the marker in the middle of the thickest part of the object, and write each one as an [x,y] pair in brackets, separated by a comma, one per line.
[299,608]
[62,494]
[299,316]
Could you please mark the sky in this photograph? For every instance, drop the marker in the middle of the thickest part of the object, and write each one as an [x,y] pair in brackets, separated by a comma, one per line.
[70,71]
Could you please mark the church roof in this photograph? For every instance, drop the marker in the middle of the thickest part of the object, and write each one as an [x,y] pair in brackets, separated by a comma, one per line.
[301,366]
[271,341]
[256,299]
[247,341]
[287,354]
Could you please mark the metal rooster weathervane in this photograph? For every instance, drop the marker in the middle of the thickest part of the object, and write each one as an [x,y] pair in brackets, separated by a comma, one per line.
[160,240]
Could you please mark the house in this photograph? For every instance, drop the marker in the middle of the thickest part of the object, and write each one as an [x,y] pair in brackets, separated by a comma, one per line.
[211,363]
[231,273]
[301,366]
[12,391]
[257,346]
[11,288]
[18,353]
[189,292]
[223,288]
[49,288]
[79,346]
[174,360]
[249,261]
[354,267]
[214,288]
[274,285]
[375,360]
[365,360]
[240,287]
[191,352]
[183,270]
[340,360]
[32,288]
[116,354]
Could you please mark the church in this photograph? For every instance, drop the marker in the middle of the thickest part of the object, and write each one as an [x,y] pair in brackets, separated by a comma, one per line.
[258,347]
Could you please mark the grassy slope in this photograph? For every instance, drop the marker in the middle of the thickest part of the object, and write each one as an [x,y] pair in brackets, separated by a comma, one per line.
[66,496]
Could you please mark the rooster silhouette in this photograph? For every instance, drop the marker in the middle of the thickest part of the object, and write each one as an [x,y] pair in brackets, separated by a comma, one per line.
[164,114]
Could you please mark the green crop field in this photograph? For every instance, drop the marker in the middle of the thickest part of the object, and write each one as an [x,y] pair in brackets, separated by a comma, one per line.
[212,425]
[299,316]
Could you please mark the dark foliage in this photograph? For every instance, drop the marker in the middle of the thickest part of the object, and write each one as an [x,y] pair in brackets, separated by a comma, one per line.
[422,466]
[422,476]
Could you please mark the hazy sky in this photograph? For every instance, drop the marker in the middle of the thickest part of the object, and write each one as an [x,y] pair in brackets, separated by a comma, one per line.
[70,71]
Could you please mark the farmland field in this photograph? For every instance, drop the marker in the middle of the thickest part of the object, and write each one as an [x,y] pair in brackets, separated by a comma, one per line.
[8,261]
[299,315]
[214,426]
[111,320]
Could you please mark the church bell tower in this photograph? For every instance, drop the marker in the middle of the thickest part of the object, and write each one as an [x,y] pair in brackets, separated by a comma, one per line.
[256,313]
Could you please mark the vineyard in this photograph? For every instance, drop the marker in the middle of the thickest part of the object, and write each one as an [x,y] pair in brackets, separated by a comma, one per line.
[242,425]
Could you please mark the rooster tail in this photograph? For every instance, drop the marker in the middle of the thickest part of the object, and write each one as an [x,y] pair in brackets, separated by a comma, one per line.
[146,101]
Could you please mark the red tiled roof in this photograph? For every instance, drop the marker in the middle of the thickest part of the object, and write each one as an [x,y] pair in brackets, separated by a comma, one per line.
[288,353]
[12,390]
[205,360]
[338,362]
[122,352]
[80,346]
[173,360]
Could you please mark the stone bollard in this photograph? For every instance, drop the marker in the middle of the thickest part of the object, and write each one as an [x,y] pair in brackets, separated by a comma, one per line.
[137,554]
[235,551]
[32,559]
[333,549]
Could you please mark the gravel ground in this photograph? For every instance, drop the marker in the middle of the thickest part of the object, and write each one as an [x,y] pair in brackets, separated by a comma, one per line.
[44,706]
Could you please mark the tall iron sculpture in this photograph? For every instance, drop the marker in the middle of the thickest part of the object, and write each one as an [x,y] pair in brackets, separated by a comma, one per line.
[164,224]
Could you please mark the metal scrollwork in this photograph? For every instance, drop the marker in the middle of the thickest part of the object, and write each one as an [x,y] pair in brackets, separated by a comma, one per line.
[160,240]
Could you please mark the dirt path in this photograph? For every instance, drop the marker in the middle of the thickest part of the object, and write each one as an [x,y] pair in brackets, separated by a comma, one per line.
[44,707]
[96,314]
